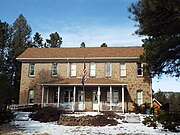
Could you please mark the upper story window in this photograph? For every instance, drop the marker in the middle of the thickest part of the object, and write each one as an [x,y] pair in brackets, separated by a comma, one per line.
[122,69]
[139,97]
[31,69]
[139,69]
[73,69]
[92,69]
[108,69]
[54,69]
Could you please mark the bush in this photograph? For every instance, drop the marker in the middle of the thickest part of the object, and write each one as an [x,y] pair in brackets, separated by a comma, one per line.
[168,120]
[46,114]
[142,108]
[5,115]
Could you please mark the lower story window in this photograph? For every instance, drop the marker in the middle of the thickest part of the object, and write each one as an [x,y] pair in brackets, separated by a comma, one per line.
[139,97]
[31,96]
[68,96]
[115,96]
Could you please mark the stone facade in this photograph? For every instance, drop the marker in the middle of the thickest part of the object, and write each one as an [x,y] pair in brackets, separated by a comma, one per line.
[43,73]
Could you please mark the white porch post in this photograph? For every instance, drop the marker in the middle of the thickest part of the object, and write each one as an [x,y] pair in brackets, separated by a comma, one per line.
[110,98]
[42,97]
[47,96]
[74,99]
[122,98]
[58,96]
[99,94]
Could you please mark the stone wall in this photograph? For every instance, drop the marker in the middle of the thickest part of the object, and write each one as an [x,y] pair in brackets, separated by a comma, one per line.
[43,73]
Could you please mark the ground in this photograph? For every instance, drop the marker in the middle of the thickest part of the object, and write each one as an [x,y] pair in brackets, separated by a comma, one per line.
[24,125]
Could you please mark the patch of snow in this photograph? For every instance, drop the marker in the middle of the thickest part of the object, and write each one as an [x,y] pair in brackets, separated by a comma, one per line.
[34,127]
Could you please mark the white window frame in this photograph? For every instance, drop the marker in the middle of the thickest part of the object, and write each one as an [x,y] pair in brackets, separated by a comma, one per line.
[69,97]
[139,97]
[92,69]
[31,69]
[115,97]
[139,68]
[122,69]
[108,69]
[73,69]
[31,96]
[54,69]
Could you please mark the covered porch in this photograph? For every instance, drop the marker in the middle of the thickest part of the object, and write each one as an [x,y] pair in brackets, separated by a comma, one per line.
[98,94]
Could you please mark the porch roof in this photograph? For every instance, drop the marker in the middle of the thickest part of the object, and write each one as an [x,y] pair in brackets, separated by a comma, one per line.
[88,82]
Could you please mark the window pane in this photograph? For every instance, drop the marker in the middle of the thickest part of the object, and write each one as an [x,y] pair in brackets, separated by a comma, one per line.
[92,69]
[115,97]
[108,69]
[139,69]
[122,69]
[73,70]
[31,96]
[54,69]
[31,69]
[139,97]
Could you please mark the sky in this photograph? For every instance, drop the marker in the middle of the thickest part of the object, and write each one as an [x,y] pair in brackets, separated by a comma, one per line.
[91,21]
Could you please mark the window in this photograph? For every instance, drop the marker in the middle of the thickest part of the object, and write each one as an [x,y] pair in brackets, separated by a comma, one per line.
[31,96]
[108,69]
[122,69]
[115,96]
[31,69]
[68,96]
[139,97]
[73,69]
[92,69]
[80,96]
[95,97]
[54,69]
[55,97]
[139,69]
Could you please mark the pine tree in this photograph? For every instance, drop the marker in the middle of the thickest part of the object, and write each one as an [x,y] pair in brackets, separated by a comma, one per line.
[37,43]
[54,41]
[83,45]
[159,21]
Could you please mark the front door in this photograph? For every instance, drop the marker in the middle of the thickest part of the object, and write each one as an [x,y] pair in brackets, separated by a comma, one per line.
[95,100]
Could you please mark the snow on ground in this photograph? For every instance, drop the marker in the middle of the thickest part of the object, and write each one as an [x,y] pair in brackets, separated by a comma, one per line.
[30,127]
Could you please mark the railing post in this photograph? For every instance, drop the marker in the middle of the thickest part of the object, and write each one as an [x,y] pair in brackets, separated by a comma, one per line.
[122,98]
[42,98]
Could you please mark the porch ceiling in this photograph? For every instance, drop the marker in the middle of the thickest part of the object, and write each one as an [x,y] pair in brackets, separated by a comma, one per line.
[89,81]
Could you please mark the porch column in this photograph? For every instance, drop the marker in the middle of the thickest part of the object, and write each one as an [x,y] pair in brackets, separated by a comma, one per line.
[42,97]
[47,96]
[58,96]
[110,98]
[98,94]
[74,99]
[122,98]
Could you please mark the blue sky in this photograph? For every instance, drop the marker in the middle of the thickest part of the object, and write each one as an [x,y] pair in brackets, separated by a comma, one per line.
[91,21]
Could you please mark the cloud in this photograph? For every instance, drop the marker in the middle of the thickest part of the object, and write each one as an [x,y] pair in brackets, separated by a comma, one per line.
[92,33]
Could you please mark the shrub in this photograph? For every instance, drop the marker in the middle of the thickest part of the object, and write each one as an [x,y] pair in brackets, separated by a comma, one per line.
[46,114]
[6,115]
[168,120]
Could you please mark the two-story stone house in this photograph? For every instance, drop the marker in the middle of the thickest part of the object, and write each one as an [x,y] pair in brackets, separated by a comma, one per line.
[115,78]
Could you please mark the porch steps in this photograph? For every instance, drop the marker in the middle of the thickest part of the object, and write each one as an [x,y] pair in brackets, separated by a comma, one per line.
[132,118]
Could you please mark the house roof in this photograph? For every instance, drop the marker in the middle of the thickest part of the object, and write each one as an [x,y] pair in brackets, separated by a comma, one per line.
[91,52]
[89,81]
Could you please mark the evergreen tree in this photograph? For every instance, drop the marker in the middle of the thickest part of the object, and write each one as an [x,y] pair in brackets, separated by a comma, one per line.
[83,45]
[21,40]
[37,43]
[104,45]
[159,21]
[54,41]
[5,42]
